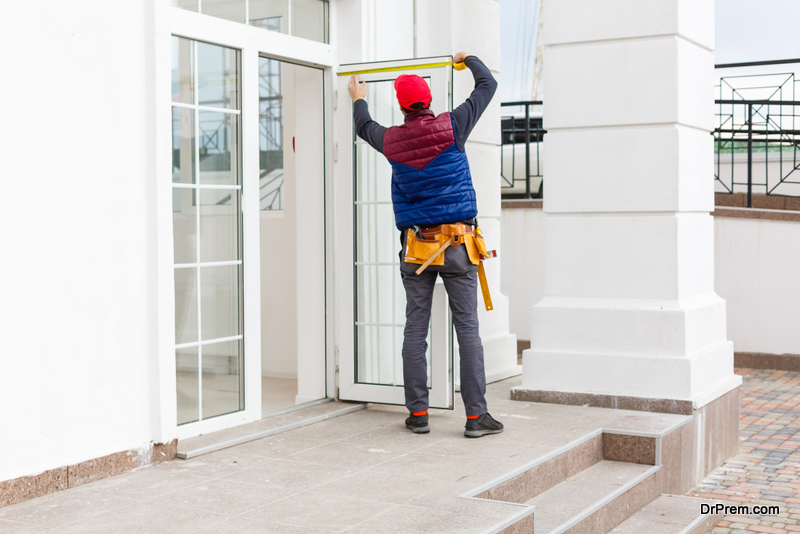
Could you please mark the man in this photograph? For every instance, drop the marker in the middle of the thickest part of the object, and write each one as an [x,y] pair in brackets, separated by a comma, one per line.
[432,187]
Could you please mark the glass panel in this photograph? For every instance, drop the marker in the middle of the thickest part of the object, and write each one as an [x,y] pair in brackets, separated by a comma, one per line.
[218,75]
[383,104]
[183,145]
[219,148]
[186,305]
[191,5]
[269,14]
[220,302]
[187,387]
[380,298]
[270,134]
[310,19]
[222,378]
[376,298]
[224,9]
[184,225]
[378,238]
[219,225]
[182,65]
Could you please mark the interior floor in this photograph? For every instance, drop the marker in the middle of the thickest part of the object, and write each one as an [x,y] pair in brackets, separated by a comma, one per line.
[277,393]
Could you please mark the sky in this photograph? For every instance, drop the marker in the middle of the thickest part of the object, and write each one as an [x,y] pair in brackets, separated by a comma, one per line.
[746,30]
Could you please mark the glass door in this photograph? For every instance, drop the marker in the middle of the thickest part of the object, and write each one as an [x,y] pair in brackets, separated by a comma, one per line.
[372,368]
[207,229]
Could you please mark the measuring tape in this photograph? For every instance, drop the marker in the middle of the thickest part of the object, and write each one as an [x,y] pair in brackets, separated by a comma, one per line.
[487,298]
[457,66]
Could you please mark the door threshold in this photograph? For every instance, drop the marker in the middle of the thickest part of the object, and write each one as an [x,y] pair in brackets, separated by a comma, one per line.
[295,417]
[295,407]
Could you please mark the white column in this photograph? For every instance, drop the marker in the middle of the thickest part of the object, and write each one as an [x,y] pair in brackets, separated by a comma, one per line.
[629,306]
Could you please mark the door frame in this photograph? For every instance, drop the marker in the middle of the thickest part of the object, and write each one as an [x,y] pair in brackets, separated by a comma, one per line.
[252,43]
[442,388]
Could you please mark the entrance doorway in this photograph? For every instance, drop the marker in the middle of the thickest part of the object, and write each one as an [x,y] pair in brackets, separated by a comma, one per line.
[292,234]
[370,354]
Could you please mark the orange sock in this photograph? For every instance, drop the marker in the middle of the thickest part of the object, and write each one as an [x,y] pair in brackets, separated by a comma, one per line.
[424,412]
[473,416]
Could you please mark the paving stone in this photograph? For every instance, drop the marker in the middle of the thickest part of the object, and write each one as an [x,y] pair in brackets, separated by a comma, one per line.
[765,472]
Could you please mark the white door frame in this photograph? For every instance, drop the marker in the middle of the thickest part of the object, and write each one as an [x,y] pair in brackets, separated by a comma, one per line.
[252,42]
[441,393]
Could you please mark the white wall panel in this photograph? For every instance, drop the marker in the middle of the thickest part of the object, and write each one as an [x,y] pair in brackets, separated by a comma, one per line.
[757,262]
[627,82]
[79,310]
[625,19]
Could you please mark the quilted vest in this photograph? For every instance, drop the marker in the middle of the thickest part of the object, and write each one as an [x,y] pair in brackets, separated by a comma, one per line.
[431,182]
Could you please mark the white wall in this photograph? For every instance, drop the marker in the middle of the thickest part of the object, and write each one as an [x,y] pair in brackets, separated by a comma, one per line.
[757,263]
[78,311]
[278,262]
[755,270]
[522,266]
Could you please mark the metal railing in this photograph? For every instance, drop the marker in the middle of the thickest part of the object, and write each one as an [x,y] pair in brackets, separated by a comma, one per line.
[756,147]
[750,127]
[521,131]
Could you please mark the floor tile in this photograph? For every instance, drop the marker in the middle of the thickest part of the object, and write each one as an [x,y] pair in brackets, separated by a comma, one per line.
[145,518]
[317,510]
[64,507]
[290,475]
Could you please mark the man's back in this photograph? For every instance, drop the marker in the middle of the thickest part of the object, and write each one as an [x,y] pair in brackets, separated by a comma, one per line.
[431,181]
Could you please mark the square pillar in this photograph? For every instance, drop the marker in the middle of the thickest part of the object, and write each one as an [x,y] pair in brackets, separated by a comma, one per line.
[629,317]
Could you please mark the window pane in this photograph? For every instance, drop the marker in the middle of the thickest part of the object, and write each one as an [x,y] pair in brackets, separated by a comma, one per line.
[269,14]
[220,302]
[222,378]
[219,225]
[191,5]
[219,148]
[270,134]
[184,225]
[183,145]
[224,9]
[187,386]
[218,75]
[186,305]
[310,19]
[182,65]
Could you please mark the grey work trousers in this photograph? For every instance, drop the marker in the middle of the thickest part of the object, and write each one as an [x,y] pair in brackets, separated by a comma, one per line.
[460,278]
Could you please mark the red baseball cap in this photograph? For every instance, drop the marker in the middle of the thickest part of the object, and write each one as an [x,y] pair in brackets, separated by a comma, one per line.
[411,89]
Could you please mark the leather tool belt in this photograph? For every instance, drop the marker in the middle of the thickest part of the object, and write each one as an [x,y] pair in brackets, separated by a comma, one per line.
[425,245]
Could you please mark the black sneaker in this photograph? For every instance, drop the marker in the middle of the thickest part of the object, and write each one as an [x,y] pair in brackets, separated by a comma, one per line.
[418,424]
[481,426]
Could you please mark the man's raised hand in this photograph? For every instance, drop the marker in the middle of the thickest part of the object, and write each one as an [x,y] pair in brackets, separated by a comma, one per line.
[460,57]
[357,90]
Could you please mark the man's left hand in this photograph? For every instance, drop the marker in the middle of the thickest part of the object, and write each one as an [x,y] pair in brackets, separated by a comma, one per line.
[357,90]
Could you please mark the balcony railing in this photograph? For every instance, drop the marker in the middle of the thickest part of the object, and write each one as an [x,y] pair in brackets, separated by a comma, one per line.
[520,149]
[756,148]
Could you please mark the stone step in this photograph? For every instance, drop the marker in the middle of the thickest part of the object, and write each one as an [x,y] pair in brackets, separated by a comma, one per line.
[670,514]
[590,500]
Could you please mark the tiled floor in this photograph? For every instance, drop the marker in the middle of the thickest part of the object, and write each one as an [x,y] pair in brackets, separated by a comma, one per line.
[362,472]
[766,470]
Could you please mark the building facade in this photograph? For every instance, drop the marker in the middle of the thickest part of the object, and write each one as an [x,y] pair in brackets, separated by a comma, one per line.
[205,244]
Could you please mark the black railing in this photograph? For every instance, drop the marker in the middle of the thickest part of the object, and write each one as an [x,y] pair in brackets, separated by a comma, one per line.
[757,127]
[763,127]
[522,129]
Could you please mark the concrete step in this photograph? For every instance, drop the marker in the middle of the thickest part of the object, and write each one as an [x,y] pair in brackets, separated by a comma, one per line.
[670,514]
[577,503]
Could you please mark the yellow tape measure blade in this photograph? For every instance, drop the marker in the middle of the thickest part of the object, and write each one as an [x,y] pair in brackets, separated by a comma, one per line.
[487,298]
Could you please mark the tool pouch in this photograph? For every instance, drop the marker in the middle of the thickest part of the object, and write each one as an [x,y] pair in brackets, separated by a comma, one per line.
[418,250]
